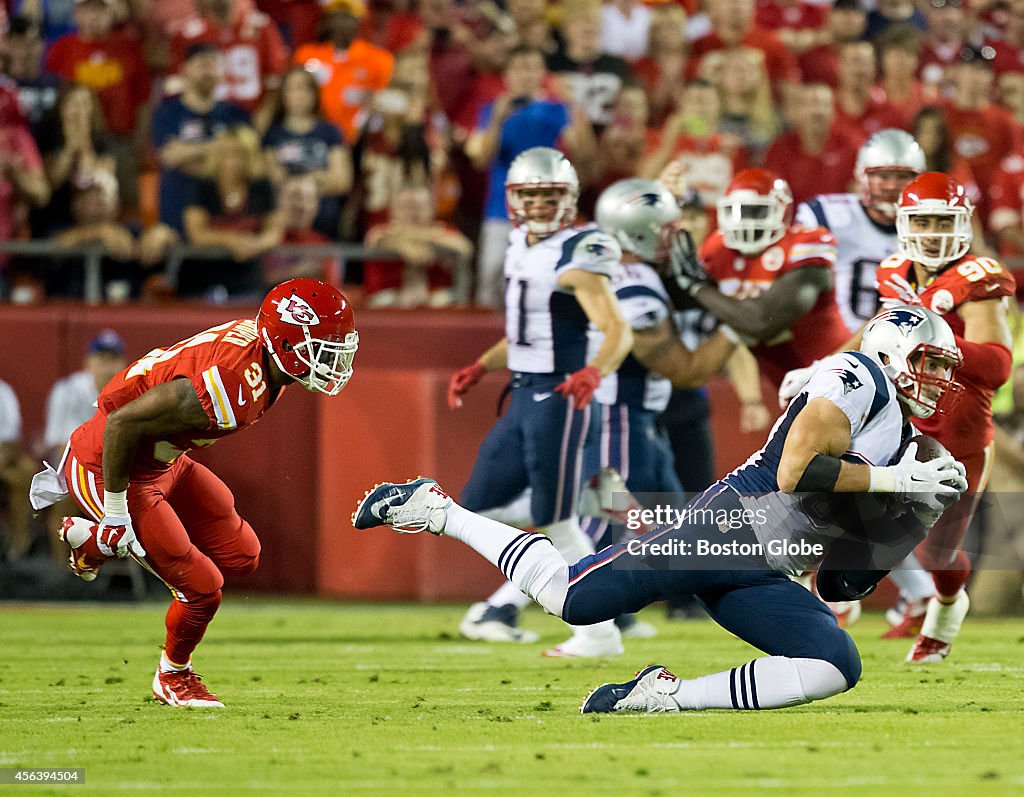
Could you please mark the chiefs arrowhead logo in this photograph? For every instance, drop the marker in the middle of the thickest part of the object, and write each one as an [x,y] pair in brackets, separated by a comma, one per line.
[296,310]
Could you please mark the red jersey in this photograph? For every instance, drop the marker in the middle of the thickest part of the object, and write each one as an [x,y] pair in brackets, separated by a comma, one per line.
[779,61]
[983,138]
[253,56]
[809,175]
[814,335]
[225,365]
[798,16]
[1006,198]
[878,114]
[968,430]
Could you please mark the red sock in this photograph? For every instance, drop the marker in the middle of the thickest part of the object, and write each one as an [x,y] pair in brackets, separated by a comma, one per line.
[186,623]
[950,581]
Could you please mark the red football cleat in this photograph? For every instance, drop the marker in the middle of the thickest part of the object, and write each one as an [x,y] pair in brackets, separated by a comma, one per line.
[910,621]
[942,623]
[80,534]
[928,651]
[184,688]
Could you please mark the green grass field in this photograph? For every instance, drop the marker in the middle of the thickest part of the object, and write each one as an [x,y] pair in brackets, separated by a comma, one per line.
[339,699]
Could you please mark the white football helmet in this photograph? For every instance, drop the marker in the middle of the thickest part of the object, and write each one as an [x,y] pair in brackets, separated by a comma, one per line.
[887,150]
[939,195]
[918,352]
[641,215]
[541,168]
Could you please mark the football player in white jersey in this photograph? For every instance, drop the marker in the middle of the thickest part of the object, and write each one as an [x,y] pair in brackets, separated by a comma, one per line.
[864,224]
[558,292]
[800,502]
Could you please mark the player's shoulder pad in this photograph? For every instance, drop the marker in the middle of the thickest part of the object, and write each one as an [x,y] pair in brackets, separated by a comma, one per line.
[894,263]
[809,246]
[979,279]
[590,250]
[851,379]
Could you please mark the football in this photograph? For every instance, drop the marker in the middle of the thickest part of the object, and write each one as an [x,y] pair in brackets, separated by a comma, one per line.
[928,448]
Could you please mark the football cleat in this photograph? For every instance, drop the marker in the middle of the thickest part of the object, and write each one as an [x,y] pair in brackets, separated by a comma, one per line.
[607,497]
[906,619]
[184,688]
[80,535]
[486,623]
[846,612]
[650,692]
[941,625]
[408,508]
[588,643]
[632,628]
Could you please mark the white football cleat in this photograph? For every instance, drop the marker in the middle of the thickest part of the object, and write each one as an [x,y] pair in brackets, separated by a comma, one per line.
[941,625]
[650,692]
[486,623]
[633,628]
[589,643]
[408,508]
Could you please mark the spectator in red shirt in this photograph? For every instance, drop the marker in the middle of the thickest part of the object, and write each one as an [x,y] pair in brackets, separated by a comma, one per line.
[816,157]
[253,55]
[943,39]
[22,182]
[982,133]
[861,109]
[661,70]
[1006,220]
[800,25]
[111,64]
[1011,97]
[847,21]
[1009,51]
[899,50]
[732,24]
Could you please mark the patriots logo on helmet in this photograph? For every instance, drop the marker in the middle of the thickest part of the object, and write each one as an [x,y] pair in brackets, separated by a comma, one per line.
[596,249]
[849,380]
[296,310]
[648,200]
[904,320]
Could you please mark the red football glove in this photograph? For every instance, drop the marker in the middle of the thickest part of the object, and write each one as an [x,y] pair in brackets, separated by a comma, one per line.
[462,381]
[579,387]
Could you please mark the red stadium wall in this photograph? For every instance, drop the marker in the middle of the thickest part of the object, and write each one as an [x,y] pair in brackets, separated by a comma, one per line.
[299,474]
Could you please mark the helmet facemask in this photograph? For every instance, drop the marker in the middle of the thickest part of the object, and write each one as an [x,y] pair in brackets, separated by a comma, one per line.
[751,222]
[933,250]
[329,362]
[563,210]
[924,380]
[880,189]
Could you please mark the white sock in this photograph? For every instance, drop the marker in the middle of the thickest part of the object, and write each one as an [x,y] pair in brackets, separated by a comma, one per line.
[509,593]
[166,665]
[573,544]
[915,583]
[772,682]
[527,559]
[515,513]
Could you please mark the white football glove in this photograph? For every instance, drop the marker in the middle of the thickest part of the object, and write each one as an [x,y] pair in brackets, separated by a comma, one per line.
[793,382]
[115,536]
[930,487]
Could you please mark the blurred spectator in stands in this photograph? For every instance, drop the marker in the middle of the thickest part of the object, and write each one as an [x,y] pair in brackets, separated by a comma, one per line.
[21,58]
[74,146]
[585,76]
[816,157]
[800,25]
[732,25]
[234,209]
[981,132]
[661,68]
[1009,51]
[300,141]
[348,69]
[184,128]
[1011,97]
[159,21]
[253,55]
[55,18]
[15,476]
[517,120]
[944,37]
[299,202]
[625,28]
[899,50]
[847,21]
[483,81]
[746,96]
[621,145]
[111,63]
[72,399]
[532,27]
[893,12]
[692,138]
[22,181]
[430,251]
[295,19]
[861,107]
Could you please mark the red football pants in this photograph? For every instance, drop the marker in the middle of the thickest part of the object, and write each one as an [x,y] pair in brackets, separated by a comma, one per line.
[940,552]
[186,521]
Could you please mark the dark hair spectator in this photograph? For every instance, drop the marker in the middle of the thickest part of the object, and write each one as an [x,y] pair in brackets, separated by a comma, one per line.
[861,109]
[847,21]
[661,68]
[298,203]
[893,12]
[944,37]
[21,58]
[899,54]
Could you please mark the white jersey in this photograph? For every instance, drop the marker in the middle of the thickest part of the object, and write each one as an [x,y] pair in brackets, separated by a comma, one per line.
[855,383]
[645,304]
[10,415]
[547,329]
[71,403]
[862,245]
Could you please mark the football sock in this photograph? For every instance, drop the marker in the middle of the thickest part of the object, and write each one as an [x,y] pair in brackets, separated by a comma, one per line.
[166,665]
[949,582]
[772,682]
[915,583]
[509,593]
[186,623]
[527,559]
[573,545]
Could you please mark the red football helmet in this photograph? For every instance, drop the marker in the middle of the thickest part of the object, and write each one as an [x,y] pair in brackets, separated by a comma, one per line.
[309,331]
[755,212]
[933,220]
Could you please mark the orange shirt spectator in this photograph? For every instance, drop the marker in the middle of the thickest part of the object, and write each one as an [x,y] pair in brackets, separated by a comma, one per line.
[349,70]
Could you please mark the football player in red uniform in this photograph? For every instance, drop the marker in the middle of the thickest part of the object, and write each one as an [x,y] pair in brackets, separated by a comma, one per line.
[767,278]
[933,268]
[128,466]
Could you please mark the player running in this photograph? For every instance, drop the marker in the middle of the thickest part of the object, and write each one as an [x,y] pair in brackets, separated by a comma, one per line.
[128,466]
[933,269]
[851,414]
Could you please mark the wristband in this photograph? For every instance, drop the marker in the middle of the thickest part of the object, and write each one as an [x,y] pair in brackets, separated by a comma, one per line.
[881,480]
[730,334]
[115,504]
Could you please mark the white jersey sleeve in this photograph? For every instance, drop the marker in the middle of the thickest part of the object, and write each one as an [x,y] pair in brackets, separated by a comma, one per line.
[10,415]
[592,250]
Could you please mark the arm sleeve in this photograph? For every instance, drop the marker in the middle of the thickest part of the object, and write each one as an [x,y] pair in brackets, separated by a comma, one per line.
[985,364]
[593,251]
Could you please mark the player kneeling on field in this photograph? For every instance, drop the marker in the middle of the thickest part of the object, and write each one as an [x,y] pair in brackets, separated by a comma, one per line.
[812,497]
